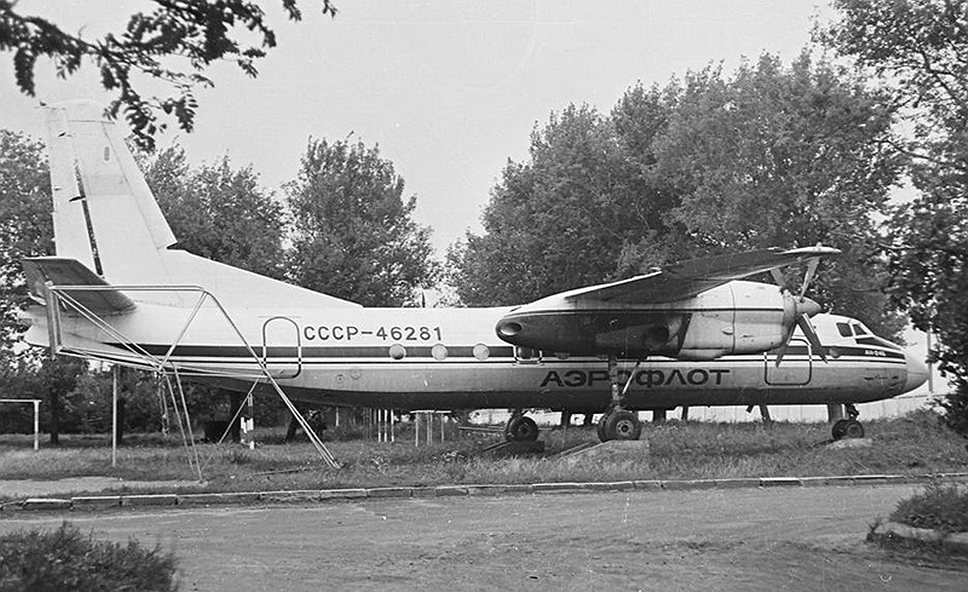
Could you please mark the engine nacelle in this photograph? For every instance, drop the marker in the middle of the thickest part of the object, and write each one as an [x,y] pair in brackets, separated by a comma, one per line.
[738,317]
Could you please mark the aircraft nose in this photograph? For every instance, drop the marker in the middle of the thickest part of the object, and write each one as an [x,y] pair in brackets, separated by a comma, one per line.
[917,372]
[808,306]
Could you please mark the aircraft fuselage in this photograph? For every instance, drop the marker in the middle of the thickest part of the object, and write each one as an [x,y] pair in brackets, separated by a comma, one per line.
[451,358]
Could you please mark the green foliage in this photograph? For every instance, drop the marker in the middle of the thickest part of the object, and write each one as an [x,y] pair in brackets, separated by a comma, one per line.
[218,212]
[353,233]
[66,559]
[941,506]
[920,50]
[201,32]
[25,223]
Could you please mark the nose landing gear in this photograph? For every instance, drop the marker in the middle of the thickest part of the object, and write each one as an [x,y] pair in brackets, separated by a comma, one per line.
[618,423]
[849,427]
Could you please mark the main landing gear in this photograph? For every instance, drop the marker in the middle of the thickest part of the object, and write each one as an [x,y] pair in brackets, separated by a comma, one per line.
[619,423]
[520,428]
[849,427]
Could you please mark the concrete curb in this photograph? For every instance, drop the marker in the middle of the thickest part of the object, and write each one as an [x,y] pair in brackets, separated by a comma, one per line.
[953,542]
[112,502]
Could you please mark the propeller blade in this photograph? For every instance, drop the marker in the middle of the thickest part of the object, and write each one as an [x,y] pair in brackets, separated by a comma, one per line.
[811,272]
[803,321]
[778,278]
[782,351]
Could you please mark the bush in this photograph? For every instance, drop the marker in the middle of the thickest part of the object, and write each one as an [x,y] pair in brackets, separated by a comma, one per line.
[955,407]
[940,506]
[65,559]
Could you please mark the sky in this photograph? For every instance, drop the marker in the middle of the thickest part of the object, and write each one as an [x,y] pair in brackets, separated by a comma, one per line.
[449,90]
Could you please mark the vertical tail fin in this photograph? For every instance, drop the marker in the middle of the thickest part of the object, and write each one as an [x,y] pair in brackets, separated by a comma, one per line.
[104,213]
[106,217]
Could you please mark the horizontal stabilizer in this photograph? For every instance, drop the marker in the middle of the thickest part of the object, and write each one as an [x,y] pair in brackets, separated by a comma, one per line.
[687,279]
[91,291]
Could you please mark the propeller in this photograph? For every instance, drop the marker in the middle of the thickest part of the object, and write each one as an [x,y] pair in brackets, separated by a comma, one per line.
[799,309]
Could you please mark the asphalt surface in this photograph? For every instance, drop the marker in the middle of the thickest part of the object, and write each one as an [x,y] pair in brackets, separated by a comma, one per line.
[729,539]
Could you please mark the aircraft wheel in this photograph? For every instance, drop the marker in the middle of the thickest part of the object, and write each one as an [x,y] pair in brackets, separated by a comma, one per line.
[853,429]
[839,429]
[521,429]
[621,425]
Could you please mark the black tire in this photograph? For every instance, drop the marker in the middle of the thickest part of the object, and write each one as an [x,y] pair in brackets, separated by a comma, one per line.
[622,425]
[853,429]
[521,429]
[601,428]
[840,429]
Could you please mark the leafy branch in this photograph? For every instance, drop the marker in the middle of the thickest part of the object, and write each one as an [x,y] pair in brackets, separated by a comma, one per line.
[198,31]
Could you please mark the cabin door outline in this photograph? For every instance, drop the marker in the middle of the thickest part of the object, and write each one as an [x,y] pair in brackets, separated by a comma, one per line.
[282,347]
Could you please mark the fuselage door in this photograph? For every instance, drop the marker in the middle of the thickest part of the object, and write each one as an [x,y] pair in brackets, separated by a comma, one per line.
[796,367]
[281,347]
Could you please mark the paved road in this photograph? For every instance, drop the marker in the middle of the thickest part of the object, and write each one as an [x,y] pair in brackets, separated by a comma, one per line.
[741,539]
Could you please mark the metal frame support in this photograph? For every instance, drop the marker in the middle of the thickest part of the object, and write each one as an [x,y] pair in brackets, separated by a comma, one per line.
[59,296]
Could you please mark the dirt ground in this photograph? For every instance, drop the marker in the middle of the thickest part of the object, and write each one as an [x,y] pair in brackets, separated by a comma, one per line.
[738,539]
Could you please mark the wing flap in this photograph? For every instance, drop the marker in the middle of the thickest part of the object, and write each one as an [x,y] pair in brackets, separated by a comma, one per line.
[66,273]
[690,278]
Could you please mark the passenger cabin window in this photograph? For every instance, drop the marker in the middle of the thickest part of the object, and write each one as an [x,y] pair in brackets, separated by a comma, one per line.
[858,330]
[844,330]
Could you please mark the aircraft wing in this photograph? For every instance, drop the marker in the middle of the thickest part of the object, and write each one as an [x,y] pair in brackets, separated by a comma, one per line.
[62,272]
[687,279]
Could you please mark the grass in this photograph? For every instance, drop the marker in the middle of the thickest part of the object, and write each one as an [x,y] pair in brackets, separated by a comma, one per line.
[914,444]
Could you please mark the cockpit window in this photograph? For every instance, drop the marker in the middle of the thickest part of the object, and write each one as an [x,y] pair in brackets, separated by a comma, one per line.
[859,330]
[844,329]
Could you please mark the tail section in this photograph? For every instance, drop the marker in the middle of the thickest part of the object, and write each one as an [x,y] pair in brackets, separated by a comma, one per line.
[104,213]
[106,218]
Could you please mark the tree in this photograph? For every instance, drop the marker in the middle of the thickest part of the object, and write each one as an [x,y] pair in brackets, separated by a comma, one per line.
[560,220]
[26,228]
[195,33]
[919,48]
[218,212]
[775,156]
[353,233]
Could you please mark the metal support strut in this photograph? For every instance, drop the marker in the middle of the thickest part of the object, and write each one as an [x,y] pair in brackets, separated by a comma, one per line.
[136,356]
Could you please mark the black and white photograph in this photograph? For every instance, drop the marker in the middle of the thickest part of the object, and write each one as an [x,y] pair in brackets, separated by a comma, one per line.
[302,295]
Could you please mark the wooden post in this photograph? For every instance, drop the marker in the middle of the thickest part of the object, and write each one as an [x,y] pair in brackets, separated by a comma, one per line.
[36,424]
[114,415]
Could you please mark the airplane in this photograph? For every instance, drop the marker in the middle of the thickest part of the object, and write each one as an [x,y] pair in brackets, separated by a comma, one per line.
[120,289]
